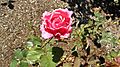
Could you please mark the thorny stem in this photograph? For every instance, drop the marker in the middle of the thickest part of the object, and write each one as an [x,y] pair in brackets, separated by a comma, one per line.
[45,43]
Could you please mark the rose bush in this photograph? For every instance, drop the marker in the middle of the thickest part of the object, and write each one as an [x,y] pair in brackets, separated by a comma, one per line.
[56,24]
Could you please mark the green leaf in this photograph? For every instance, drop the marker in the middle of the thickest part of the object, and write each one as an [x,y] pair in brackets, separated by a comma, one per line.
[47,48]
[23,64]
[97,14]
[108,37]
[113,53]
[29,44]
[67,65]
[46,60]
[18,54]
[13,63]
[118,53]
[34,55]
[35,40]
[24,52]
[109,57]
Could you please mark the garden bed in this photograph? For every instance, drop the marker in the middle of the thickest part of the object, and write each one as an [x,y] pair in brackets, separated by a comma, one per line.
[94,40]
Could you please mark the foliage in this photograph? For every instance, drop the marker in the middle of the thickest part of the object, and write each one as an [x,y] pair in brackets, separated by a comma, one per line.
[92,36]
[34,52]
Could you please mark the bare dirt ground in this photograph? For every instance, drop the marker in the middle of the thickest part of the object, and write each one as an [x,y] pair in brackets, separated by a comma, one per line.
[14,24]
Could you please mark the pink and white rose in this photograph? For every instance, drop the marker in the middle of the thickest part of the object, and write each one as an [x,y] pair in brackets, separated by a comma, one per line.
[56,24]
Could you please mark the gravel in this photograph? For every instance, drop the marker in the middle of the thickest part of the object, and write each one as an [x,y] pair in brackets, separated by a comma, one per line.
[14,24]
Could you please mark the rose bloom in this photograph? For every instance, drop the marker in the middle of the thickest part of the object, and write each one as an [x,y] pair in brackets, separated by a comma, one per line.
[56,24]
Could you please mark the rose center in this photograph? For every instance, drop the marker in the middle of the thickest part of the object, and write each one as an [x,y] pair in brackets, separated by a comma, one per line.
[57,22]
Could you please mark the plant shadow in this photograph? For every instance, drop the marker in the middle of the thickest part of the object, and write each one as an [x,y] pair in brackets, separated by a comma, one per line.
[58,53]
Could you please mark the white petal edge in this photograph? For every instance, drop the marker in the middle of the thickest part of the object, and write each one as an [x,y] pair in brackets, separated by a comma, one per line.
[65,10]
[65,36]
[45,34]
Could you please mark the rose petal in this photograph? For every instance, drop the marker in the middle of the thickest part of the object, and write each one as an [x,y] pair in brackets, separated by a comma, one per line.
[63,30]
[45,34]
[46,15]
[65,12]
[56,23]
[57,35]
[54,16]
[65,36]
